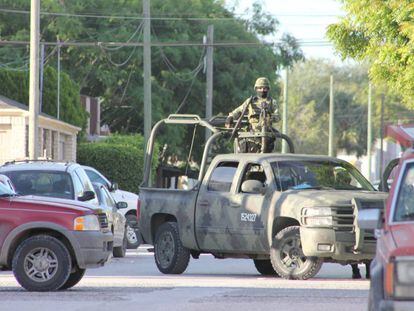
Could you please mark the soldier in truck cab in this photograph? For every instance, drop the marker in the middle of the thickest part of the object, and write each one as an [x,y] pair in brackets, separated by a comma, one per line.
[254,107]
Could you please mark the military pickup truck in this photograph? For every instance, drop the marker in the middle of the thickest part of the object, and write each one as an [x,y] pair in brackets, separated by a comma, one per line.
[287,212]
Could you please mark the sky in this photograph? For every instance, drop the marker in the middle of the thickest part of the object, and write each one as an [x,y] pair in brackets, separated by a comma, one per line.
[304,19]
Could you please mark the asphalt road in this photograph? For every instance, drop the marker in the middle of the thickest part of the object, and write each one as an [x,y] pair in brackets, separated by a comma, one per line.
[134,283]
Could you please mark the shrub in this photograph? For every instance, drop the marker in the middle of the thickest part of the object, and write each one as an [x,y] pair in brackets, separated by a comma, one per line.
[119,157]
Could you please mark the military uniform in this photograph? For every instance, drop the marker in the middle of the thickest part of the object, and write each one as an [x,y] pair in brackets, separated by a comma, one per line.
[255,106]
[254,109]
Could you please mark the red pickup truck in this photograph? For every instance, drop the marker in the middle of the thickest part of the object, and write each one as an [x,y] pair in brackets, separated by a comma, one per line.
[392,270]
[49,244]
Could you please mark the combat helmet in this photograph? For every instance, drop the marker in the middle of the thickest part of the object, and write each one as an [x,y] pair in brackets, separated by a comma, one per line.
[262,82]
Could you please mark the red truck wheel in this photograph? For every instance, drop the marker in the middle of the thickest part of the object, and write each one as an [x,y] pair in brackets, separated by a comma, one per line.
[171,257]
[74,278]
[41,263]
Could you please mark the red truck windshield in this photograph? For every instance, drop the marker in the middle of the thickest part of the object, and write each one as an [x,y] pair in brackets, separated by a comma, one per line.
[299,175]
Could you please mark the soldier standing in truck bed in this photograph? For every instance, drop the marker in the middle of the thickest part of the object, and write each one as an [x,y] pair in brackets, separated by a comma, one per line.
[255,104]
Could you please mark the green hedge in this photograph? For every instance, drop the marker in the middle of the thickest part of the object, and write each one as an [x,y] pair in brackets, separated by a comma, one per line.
[119,157]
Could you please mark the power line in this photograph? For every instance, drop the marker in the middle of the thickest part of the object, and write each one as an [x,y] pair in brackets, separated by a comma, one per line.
[161,17]
[193,73]
[163,44]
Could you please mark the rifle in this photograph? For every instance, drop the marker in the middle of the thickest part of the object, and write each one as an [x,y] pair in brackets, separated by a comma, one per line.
[236,128]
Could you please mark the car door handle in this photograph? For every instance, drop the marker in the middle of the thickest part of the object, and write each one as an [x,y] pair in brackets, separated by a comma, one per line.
[235,205]
[204,203]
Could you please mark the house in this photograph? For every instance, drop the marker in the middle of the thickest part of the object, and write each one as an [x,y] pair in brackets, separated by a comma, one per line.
[56,139]
[94,130]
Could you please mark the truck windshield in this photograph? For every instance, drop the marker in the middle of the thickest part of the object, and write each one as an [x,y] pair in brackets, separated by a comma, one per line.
[297,175]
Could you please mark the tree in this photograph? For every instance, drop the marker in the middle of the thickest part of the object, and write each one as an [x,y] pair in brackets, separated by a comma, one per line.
[308,112]
[115,73]
[382,33]
[15,85]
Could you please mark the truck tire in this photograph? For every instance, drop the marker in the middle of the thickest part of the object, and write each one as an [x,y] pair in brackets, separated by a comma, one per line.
[41,263]
[74,278]
[264,267]
[120,251]
[171,257]
[288,259]
[132,233]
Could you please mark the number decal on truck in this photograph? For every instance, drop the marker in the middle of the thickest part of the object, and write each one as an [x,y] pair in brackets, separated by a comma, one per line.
[248,217]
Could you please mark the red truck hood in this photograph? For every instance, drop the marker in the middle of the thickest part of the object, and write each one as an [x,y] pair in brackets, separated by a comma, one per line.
[52,202]
[403,238]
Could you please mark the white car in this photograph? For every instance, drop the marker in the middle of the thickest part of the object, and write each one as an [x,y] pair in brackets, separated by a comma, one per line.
[133,235]
[116,221]
[7,182]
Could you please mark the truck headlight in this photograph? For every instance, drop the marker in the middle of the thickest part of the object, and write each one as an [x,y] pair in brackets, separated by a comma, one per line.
[317,216]
[86,223]
[404,277]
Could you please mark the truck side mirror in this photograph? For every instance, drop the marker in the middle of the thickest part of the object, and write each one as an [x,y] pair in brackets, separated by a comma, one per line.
[87,195]
[253,186]
[370,219]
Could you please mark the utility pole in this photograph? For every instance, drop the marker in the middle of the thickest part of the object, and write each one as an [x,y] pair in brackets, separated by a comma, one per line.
[42,65]
[209,75]
[58,82]
[382,137]
[285,109]
[369,131]
[331,119]
[34,78]
[147,70]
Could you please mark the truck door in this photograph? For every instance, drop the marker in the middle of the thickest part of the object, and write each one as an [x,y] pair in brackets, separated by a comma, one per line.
[248,212]
[213,206]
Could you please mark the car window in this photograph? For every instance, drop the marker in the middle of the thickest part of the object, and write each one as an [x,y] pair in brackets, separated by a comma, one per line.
[108,198]
[84,179]
[43,183]
[222,177]
[253,172]
[95,177]
[78,185]
[404,207]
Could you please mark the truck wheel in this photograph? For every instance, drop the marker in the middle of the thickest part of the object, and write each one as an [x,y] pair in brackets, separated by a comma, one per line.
[120,251]
[264,267]
[171,257]
[41,263]
[74,278]
[132,233]
[288,259]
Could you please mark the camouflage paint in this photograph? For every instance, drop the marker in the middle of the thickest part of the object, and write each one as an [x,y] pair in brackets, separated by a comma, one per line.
[213,222]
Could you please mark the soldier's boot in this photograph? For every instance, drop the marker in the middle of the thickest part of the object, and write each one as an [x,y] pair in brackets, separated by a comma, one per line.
[355,271]
[367,270]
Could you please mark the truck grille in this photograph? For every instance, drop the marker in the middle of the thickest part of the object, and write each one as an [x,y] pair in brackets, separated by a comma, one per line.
[343,218]
[103,220]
